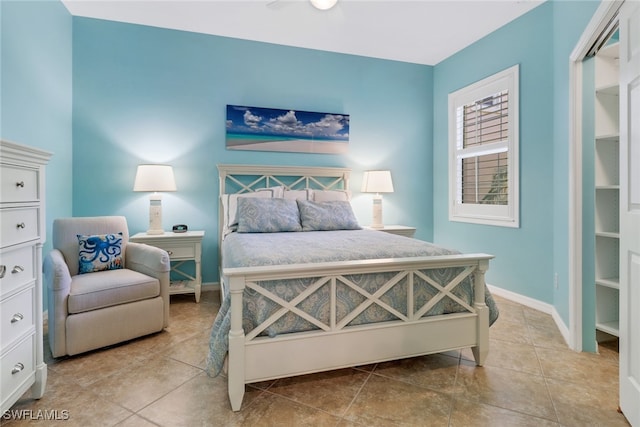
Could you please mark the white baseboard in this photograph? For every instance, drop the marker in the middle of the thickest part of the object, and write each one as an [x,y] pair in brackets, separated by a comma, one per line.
[536,305]
[211,286]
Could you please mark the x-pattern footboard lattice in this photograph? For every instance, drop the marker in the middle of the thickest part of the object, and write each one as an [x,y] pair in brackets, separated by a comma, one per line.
[253,358]
[401,278]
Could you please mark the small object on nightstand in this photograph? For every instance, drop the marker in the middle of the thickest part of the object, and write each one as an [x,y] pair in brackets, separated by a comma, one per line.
[400,230]
[180,228]
[182,247]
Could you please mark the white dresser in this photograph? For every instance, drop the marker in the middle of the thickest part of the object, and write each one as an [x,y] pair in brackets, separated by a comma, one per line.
[22,233]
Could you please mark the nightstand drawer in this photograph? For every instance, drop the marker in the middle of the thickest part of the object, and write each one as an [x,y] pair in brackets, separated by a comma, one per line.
[178,252]
[16,315]
[18,269]
[18,225]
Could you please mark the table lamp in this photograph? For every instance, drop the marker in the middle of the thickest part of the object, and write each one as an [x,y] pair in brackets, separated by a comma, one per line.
[378,181]
[155,178]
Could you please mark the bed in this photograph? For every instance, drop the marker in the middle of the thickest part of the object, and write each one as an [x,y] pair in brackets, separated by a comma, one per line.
[305,289]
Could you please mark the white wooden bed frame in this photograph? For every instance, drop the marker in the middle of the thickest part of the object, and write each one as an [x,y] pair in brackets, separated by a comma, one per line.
[254,358]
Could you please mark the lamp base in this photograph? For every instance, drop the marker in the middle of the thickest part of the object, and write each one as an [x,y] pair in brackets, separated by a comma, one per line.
[377,212]
[155,232]
[155,214]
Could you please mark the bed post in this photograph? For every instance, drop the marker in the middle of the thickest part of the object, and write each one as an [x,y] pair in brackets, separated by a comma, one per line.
[236,344]
[481,350]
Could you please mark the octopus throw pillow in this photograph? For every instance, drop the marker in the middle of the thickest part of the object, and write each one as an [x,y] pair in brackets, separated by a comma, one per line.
[100,252]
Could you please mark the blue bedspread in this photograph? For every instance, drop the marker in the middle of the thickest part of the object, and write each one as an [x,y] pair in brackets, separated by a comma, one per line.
[259,249]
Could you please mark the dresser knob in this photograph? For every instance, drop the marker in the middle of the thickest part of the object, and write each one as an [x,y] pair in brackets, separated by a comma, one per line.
[17,269]
[3,270]
[17,368]
[20,184]
[170,253]
[17,317]
[21,225]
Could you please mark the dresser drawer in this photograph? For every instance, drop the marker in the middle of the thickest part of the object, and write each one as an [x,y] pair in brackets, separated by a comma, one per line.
[19,184]
[178,252]
[18,269]
[16,316]
[18,225]
[17,367]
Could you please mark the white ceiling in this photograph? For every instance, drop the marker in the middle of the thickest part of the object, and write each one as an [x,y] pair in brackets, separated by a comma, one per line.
[417,31]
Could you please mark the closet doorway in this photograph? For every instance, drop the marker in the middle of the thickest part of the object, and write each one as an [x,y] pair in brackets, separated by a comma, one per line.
[616,186]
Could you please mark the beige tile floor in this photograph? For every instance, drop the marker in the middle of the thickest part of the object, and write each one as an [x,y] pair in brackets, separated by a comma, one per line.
[530,379]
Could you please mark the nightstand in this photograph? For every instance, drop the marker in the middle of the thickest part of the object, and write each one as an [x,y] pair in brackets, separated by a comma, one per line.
[181,247]
[400,230]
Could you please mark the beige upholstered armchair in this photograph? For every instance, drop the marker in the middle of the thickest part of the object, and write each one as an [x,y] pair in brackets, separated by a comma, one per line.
[101,288]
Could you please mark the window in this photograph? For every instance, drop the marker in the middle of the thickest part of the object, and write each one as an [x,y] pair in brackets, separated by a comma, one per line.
[483,151]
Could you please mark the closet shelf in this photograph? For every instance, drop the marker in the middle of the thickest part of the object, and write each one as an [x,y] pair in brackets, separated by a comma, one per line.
[608,138]
[611,282]
[607,189]
[608,89]
[611,328]
[610,234]
[612,137]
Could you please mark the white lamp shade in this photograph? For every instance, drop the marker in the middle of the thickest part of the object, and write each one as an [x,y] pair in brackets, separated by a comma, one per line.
[377,182]
[154,178]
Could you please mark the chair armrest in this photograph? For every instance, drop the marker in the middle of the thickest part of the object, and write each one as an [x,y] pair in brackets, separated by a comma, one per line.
[154,262]
[56,272]
[147,259]
[57,280]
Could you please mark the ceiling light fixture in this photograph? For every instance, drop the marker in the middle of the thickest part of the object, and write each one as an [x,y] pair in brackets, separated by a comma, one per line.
[323,4]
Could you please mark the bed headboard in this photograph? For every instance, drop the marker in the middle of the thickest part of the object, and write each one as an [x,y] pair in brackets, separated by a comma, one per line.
[235,179]
[247,178]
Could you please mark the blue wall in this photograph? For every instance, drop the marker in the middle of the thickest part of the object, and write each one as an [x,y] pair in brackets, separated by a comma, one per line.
[512,44]
[36,92]
[528,257]
[143,94]
[36,89]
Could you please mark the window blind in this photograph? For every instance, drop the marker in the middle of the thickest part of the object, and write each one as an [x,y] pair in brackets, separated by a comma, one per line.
[483,156]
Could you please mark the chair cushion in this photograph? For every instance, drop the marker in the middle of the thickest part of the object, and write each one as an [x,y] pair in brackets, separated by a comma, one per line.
[101,289]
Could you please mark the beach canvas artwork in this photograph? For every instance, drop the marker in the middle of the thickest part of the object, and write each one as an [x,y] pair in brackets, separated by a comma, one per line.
[271,129]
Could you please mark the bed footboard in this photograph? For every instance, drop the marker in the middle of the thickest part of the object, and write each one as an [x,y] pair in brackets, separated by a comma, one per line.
[337,343]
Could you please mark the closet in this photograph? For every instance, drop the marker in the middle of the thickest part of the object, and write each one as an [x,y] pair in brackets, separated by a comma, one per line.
[607,190]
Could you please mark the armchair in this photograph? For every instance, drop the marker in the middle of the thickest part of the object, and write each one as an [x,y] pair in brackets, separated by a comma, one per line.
[96,309]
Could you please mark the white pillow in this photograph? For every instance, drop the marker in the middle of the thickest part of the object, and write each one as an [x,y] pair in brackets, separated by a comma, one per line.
[230,207]
[331,195]
[277,191]
[306,194]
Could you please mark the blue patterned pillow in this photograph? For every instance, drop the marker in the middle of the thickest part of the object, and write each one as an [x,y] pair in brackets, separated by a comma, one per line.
[100,252]
[256,215]
[326,216]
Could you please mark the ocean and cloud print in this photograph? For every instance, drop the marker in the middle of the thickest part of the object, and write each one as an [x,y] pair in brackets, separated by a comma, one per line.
[270,129]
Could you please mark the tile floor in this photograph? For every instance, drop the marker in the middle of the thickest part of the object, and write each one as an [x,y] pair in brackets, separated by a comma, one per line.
[530,379]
